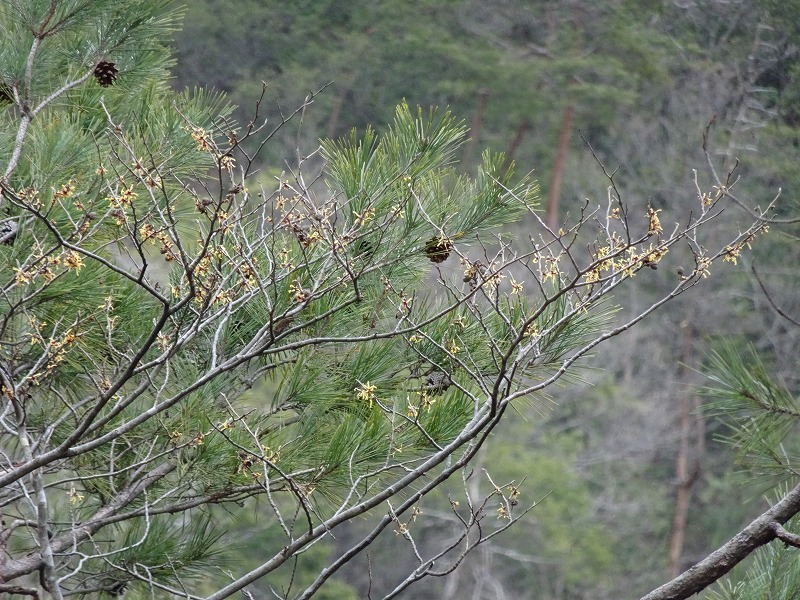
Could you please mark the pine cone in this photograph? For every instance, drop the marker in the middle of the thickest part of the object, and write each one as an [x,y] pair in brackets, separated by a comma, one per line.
[437,382]
[105,73]
[437,249]
[8,230]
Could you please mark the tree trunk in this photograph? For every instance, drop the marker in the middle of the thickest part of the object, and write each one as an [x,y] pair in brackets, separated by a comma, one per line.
[558,167]
[519,133]
[475,127]
[684,475]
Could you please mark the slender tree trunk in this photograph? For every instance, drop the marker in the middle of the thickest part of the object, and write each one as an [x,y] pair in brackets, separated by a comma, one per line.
[685,475]
[333,122]
[519,133]
[558,166]
[475,127]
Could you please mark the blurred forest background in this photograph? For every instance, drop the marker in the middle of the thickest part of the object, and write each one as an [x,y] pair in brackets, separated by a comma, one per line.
[638,485]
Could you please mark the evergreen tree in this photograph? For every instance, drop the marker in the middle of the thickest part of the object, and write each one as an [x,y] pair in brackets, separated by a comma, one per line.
[178,335]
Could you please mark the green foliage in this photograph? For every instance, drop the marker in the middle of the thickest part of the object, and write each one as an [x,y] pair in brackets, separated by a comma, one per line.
[762,415]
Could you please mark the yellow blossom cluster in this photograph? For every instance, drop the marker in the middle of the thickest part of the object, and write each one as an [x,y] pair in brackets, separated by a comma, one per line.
[296,221]
[517,287]
[453,348]
[403,528]
[471,271]
[65,191]
[227,161]
[709,198]
[162,341]
[74,496]
[29,196]
[123,197]
[272,455]
[364,217]
[366,392]
[647,257]
[284,259]
[626,263]
[204,142]
[424,401]
[150,233]
[248,274]
[703,267]
[297,292]
[654,224]
[36,327]
[732,252]
[73,260]
[550,269]
[57,350]
[209,277]
[202,139]
[47,267]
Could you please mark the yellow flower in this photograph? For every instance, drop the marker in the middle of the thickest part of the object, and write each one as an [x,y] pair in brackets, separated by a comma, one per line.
[732,253]
[162,341]
[227,162]
[128,196]
[200,137]
[551,269]
[66,190]
[703,264]
[411,411]
[366,392]
[74,261]
[22,277]
[74,496]
[297,292]
[108,304]
[271,454]
[655,224]
[592,276]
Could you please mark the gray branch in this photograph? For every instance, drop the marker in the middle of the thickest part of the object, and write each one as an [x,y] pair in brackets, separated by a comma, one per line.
[759,533]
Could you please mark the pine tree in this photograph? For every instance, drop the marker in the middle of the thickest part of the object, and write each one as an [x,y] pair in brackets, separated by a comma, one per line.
[179,333]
